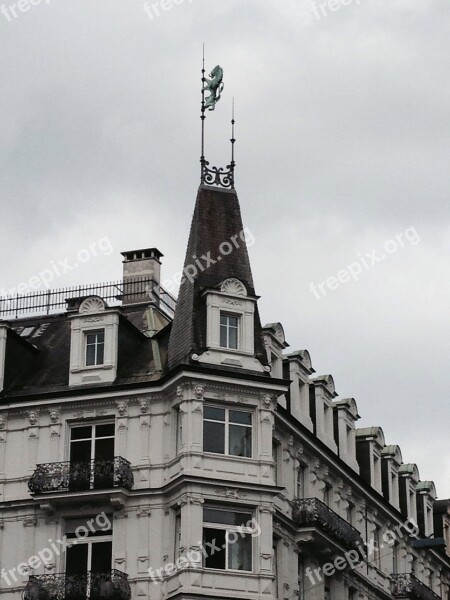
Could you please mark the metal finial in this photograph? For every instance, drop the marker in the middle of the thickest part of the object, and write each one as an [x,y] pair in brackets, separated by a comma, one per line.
[214,85]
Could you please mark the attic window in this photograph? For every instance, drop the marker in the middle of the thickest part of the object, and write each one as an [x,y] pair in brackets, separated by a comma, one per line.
[95,347]
[229,331]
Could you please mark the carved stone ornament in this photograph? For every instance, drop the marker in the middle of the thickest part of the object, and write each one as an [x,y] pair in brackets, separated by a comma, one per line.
[122,408]
[32,418]
[93,304]
[199,391]
[54,416]
[234,287]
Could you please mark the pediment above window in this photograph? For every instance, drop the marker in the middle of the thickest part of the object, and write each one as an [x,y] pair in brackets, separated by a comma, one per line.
[93,304]
[234,287]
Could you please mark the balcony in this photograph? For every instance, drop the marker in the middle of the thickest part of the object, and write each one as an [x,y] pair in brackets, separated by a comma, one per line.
[112,585]
[62,481]
[320,525]
[405,585]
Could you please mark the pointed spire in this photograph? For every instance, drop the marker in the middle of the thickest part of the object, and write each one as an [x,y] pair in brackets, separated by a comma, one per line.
[217,250]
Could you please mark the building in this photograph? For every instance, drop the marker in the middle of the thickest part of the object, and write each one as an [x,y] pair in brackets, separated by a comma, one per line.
[154,452]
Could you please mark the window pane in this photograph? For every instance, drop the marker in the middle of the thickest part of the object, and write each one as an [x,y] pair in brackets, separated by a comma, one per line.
[239,416]
[239,551]
[216,414]
[214,437]
[100,354]
[226,517]
[90,355]
[80,433]
[105,430]
[214,544]
[233,341]
[240,441]
[223,336]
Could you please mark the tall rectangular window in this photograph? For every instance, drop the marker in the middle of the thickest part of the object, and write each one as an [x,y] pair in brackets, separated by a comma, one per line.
[227,539]
[95,347]
[229,331]
[227,431]
[301,481]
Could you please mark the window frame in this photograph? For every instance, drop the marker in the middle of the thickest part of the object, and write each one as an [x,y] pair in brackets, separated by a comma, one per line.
[86,344]
[230,315]
[230,528]
[226,423]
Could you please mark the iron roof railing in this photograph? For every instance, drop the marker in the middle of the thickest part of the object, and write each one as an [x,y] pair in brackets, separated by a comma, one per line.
[114,293]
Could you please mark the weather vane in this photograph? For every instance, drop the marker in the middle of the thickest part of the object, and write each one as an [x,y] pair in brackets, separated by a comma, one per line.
[214,85]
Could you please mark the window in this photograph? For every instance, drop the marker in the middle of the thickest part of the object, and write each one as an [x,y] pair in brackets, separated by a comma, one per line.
[327,494]
[301,478]
[91,457]
[227,540]
[227,431]
[229,331]
[301,577]
[395,558]
[276,459]
[89,559]
[179,431]
[350,510]
[177,535]
[377,547]
[95,347]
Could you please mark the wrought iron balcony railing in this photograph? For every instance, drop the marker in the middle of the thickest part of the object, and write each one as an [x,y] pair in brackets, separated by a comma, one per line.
[112,585]
[76,476]
[405,585]
[311,512]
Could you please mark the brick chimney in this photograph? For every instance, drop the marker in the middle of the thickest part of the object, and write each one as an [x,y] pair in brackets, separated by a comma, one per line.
[141,275]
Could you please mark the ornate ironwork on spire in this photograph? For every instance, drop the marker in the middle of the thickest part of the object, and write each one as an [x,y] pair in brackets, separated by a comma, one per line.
[217,176]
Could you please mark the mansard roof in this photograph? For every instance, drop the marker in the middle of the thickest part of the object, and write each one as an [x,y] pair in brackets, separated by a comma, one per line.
[40,362]
[216,251]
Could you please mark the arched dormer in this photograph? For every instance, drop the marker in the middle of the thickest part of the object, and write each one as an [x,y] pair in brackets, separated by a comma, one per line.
[322,393]
[345,413]
[275,343]
[391,459]
[425,498]
[369,444]
[408,479]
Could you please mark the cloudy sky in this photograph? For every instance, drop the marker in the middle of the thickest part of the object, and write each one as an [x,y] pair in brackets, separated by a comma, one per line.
[343,172]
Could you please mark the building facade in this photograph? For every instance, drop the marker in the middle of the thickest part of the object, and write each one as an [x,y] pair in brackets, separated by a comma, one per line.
[156,451]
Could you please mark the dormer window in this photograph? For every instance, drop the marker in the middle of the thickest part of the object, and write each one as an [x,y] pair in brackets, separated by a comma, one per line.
[229,331]
[95,348]
[94,343]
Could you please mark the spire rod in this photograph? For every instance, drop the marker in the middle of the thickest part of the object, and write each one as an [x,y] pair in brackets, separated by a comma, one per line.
[214,175]
[202,158]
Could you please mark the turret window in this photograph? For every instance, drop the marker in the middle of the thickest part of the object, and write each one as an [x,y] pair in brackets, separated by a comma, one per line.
[229,331]
[95,348]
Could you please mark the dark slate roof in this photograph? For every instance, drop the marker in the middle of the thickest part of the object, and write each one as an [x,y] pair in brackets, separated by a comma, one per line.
[47,353]
[217,219]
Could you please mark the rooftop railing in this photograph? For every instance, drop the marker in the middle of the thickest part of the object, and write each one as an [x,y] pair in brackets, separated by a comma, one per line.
[114,293]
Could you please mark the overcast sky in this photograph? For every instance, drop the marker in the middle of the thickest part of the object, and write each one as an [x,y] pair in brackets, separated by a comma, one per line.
[343,127]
